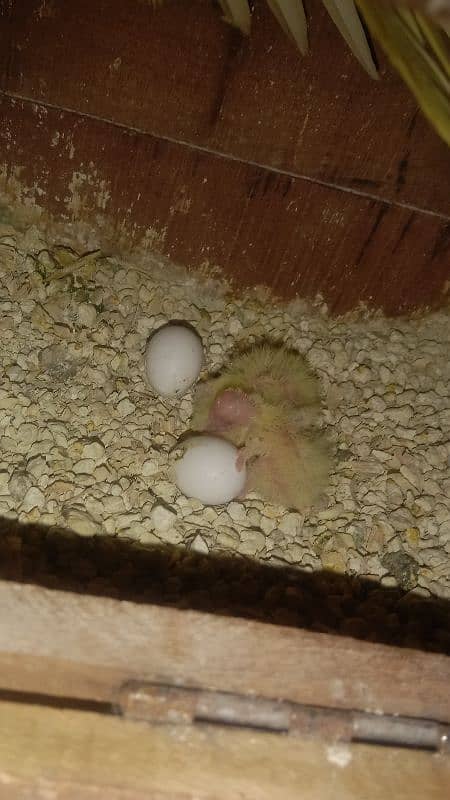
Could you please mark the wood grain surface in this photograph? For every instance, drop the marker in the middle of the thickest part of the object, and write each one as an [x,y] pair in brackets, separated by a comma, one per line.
[68,754]
[258,227]
[179,72]
[79,646]
[168,129]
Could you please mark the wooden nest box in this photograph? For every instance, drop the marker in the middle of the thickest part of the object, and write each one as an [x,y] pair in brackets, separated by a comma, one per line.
[167,130]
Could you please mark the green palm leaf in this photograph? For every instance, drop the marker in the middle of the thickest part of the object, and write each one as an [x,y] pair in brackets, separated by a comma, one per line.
[237,12]
[418,49]
[291,16]
[345,16]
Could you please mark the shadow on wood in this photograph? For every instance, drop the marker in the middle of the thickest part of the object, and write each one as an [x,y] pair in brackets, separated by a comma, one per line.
[222,584]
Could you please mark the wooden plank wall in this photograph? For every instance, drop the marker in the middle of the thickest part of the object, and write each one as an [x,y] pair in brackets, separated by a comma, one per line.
[167,126]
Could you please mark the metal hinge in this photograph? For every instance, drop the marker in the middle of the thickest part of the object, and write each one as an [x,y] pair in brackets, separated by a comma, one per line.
[174,705]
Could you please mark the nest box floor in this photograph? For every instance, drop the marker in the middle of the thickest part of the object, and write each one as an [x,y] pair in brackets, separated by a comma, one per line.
[84,443]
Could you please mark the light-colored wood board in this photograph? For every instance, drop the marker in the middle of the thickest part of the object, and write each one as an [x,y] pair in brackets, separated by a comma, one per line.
[106,642]
[16,789]
[206,763]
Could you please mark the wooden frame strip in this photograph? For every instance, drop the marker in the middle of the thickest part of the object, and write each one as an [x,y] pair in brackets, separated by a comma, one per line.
[67,754]
[77,646]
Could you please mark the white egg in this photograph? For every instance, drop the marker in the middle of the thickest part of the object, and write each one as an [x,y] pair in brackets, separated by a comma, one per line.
[208,470]
[173,359]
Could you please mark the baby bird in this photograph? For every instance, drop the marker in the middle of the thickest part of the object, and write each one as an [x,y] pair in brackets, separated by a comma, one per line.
[267,402]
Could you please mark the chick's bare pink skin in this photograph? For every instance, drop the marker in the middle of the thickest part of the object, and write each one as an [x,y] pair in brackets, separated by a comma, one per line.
[231,409]
[231,415]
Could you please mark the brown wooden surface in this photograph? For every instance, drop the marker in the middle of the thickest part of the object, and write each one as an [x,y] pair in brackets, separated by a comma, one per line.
[259,227]
[86,755]
[5,39]
[350,169]
[77,646]
[180,72]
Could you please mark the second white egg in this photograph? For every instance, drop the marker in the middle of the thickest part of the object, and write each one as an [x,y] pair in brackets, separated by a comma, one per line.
[209,470]
[173,359]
